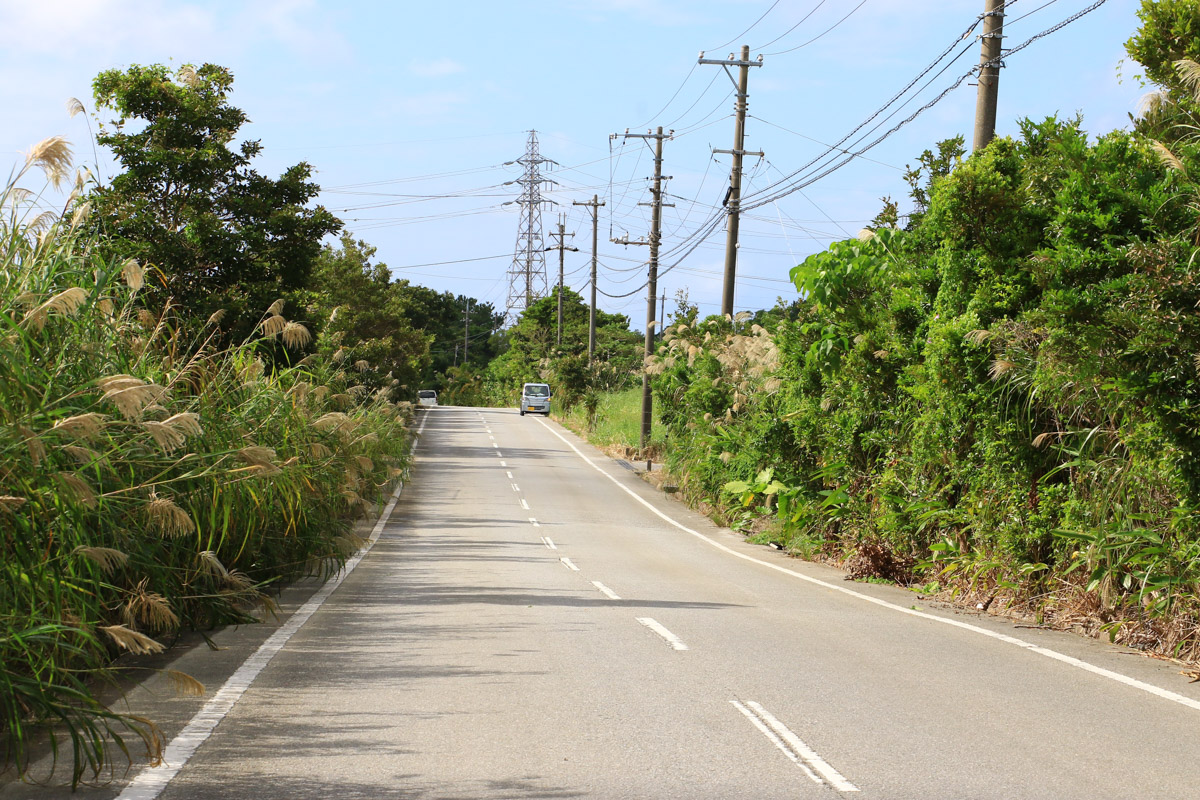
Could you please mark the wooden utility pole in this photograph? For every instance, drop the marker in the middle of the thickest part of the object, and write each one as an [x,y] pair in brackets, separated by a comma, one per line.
[652,277]
[561,235]
[733,204]
[989,73]
[595,206]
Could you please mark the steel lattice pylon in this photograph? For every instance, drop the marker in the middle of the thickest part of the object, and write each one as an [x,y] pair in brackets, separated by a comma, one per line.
[527,280]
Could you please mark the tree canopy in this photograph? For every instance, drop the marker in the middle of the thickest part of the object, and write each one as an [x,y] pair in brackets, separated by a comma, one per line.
[188,203]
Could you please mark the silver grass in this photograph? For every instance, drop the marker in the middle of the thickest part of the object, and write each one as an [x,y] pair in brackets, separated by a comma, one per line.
[133,641]
[184,685]
[106,558]
[82,426]
[77,489]
[133,274]
[10,503]
[53,157]
[295,335]
[273,324]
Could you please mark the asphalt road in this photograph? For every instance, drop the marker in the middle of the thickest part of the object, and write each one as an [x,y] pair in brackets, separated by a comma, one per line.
[535,621]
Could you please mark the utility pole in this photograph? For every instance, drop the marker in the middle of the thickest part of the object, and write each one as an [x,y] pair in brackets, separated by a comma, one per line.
[989,72]
[595,206]
[652,277]
[561,234]
[466,329]
[733,203]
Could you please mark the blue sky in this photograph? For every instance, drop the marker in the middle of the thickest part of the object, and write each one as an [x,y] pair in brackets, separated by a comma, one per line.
[398,104]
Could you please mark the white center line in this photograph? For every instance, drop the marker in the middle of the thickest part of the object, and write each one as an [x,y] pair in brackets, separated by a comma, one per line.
[516,488]
[524,505]
[534,522]
[569,564]
[793,747]
[501,455]
[775,740]
[604,590]
[495,445]
[549,543]
[673,640]
[509,473]
[504,464]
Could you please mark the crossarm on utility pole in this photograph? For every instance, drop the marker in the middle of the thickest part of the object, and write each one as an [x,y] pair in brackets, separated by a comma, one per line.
[734,198]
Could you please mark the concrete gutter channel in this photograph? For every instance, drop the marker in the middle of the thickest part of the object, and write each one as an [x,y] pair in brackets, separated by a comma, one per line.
[144,690]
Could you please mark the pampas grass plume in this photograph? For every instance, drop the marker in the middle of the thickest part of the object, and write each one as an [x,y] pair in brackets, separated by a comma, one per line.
[134,642]
[53,157]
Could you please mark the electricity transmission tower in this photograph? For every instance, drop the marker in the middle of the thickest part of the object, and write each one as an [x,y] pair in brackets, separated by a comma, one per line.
[527,275]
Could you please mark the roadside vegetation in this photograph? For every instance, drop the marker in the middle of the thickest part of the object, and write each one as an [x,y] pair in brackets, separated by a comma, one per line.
[614,423]
[995,397]
[199,400]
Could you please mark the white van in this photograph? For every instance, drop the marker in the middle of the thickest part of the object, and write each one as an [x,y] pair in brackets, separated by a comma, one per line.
[535,397]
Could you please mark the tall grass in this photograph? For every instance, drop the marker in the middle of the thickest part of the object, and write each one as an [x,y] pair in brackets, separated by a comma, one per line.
[149,481]
[616,421]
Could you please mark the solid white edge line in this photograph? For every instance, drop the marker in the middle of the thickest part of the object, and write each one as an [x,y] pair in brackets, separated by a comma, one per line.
[604,590]
[775,740]
[150,782]
[673,640]
[1157,691]
[568,563]
[835,778]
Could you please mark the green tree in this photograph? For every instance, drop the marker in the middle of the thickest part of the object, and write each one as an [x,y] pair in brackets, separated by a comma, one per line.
[188,203]
[447,317]
[533,351]
[360,317]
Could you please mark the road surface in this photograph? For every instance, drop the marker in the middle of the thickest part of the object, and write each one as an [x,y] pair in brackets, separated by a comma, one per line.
[535,621]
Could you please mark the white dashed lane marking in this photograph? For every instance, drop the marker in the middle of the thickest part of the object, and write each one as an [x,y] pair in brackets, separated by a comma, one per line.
[604,590]
[673,640]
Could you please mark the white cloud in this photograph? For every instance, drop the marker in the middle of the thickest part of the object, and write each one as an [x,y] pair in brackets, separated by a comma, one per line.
[438,68]
[430,105]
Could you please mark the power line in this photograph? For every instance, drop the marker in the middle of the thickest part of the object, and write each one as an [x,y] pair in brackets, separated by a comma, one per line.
[789,30]
[822,33]
[672,100]
[743,33]
[456,261]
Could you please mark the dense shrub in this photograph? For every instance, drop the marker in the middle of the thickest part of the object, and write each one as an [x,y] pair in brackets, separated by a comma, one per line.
[1001,397]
